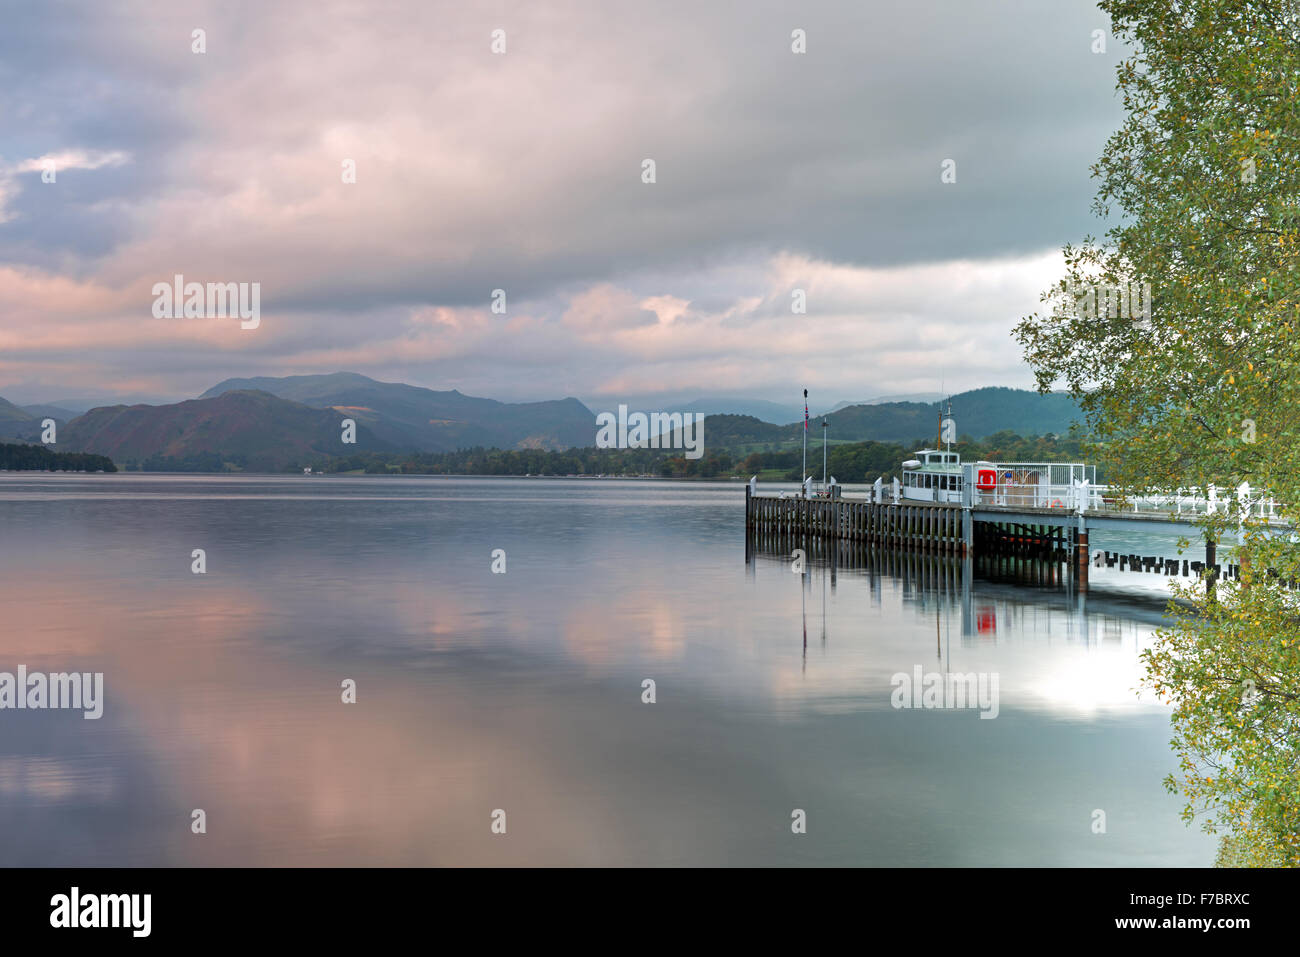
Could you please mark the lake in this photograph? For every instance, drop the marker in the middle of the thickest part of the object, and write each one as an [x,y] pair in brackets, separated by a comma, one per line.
[522,692]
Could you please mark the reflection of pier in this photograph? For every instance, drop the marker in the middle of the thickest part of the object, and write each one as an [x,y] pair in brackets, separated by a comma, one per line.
[978,584]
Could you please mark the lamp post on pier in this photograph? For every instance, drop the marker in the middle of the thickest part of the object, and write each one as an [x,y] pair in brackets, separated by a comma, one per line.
[823,456]
[803,469]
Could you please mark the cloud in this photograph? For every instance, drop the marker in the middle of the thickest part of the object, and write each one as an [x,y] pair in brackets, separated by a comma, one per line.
[70,159]
[603,311]
[51,164]
[521,171]
[867,329]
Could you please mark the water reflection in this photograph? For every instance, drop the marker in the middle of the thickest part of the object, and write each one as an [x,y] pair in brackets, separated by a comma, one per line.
[1058,648]
[523,691]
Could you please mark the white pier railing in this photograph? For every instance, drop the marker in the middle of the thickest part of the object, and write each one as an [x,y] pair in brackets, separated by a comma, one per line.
[1074,494]
[1241,503]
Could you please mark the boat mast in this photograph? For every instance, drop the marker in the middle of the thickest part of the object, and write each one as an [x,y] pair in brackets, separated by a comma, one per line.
[948,444]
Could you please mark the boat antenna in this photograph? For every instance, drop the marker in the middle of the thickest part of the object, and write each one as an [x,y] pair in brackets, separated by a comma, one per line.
[948,444]
[938,436]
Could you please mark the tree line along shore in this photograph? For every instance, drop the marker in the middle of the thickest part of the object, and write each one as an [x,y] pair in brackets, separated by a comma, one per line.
[851,462]
[38,458]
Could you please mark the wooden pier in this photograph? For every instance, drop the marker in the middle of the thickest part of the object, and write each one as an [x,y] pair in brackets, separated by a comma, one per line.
[914,526]
[986,531]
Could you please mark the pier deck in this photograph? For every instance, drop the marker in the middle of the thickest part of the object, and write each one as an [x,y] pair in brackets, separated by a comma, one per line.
[1052,534]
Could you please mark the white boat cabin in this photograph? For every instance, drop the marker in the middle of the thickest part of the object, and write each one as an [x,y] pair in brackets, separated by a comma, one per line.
[933,475]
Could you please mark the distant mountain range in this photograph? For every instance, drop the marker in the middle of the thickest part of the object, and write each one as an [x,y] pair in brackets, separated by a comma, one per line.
[880,400]
[758,408]
[18,423]
[410,417]
[977,414]
[270,424]
[57,412]
[777,413]
[24,422]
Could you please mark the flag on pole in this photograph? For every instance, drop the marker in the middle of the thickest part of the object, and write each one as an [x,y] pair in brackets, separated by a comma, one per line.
[805,410]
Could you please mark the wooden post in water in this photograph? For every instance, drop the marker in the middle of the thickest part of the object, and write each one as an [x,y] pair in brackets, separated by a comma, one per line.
[1211,553]
[1081,552]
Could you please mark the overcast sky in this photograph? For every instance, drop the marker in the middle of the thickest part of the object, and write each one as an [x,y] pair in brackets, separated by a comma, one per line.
[522,171]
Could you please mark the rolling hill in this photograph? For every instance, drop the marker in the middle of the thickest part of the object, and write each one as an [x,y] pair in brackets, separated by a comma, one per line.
[24,422]
[17,423]
[411,417]
[56,412]
[246,429]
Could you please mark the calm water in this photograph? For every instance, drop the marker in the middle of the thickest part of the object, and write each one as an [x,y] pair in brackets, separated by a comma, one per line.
[523,691]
